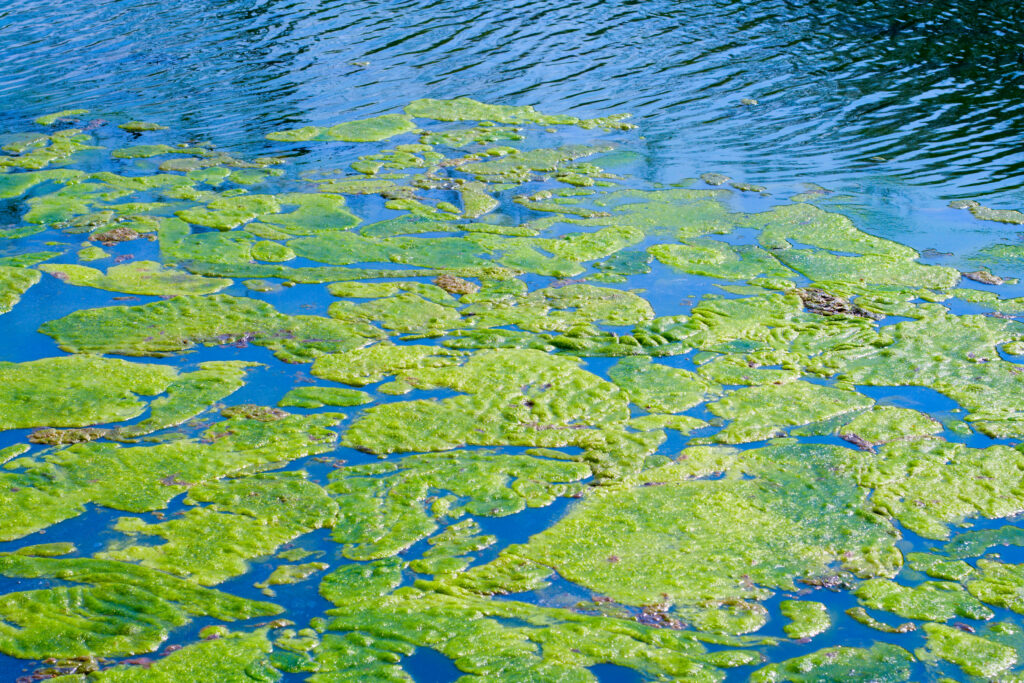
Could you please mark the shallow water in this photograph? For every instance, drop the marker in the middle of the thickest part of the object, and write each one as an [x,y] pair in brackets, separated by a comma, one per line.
[896,111]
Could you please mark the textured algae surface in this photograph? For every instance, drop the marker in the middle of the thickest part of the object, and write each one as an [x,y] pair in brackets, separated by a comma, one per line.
[458,311]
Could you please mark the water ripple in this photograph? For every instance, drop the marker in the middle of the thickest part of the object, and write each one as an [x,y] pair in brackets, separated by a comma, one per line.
[934,88]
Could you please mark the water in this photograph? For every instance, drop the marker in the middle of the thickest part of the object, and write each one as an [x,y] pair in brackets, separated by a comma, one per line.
[897,108]
[931,87]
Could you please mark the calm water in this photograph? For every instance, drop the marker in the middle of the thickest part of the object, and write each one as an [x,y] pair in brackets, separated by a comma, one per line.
[902,106]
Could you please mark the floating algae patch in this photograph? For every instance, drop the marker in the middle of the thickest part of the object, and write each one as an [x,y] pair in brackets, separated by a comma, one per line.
[190,394]
[762,412]
[253,516]
[930,601]
[507,390]
[719,540]
[14,282]
[384,507]
[118,609]
[166,327]
[138,277]
[367,130]
[975,655]
[41,491]
[519,396]
[929,484]
[659,388]
[881,663]
[318,397]
[76,391]
[223,657]
[807,618]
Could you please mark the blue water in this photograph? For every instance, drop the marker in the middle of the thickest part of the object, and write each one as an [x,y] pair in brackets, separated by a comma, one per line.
[897,107]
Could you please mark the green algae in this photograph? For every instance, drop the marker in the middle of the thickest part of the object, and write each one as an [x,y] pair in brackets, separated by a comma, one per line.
[386,508]
[466,109]
[522,397]
[360,367]
[138,277]
[861,616]
[723,540]
[806,618]
[165,327]
[998,584]
[882,424]
[930,601]
[551,644]
[929,484]
[975,655]
[190,394]
[226,213]
[145,478]
[105,608]
[718,259]
[50,119]
[76,391]
[141,126]
[16,184]
[14,282]
[366,130]
[939,567]
[975,543]
[253,517]
[231,656]
[761,412]
[735,526]
[881,663]
[318,397]
[659,388]
[92,253]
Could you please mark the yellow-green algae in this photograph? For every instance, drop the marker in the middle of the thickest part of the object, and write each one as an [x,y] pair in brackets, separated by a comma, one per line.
[165,327]
[14,282]
[138,277]
[676,547]
[253,517]
[976,656]
[40,491]
[76,391]
[104,608]
[807,618]
[881,663]
[367,130]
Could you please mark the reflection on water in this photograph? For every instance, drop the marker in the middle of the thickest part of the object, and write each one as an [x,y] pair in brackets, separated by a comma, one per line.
[928,92]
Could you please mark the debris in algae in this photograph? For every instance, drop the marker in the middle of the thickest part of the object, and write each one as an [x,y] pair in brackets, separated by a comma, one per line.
[115,235]
[821,302]
[455,285]
[715,178]
[983,276]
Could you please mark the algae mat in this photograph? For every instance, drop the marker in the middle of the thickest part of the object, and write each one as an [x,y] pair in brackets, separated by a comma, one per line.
[289,420]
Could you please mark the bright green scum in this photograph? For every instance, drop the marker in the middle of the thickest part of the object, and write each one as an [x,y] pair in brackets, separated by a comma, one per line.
[507,361]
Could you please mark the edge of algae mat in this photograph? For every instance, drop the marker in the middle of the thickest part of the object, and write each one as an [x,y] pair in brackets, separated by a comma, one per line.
[518,416]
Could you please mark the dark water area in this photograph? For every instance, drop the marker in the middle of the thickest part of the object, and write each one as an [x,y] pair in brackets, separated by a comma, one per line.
[897,108]
[875,96]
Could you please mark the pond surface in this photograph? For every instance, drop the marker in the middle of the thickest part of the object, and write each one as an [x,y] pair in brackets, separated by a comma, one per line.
[324,374]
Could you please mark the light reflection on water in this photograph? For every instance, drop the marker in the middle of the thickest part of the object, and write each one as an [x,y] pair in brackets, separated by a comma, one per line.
[933,88]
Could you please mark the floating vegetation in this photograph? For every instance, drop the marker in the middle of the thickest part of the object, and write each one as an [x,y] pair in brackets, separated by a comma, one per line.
[461,307]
